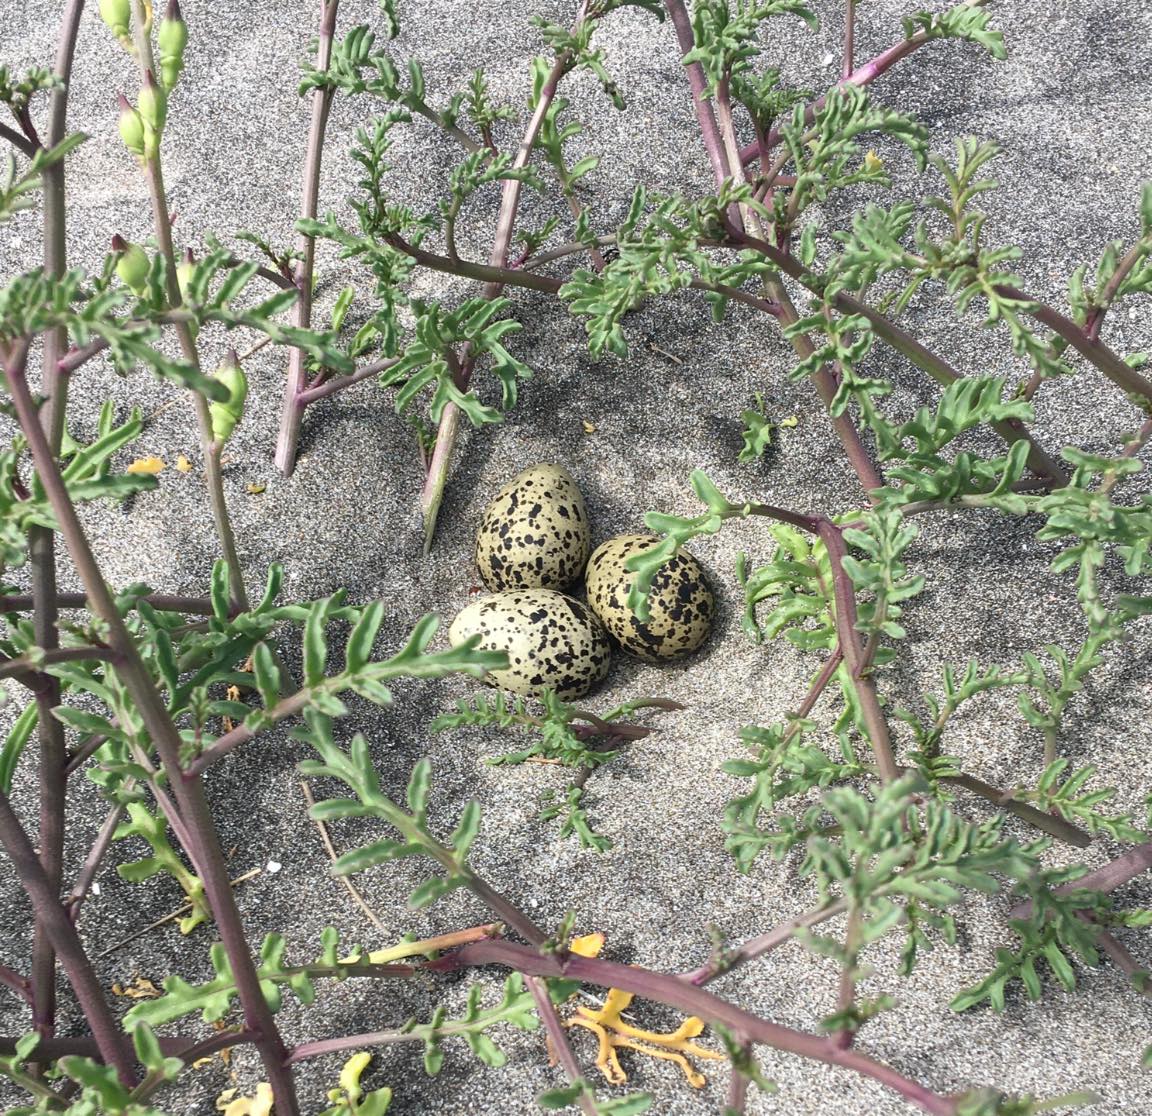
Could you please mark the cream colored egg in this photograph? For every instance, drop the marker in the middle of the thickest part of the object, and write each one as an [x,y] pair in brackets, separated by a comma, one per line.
[534,534]
[552,642]
[681,602]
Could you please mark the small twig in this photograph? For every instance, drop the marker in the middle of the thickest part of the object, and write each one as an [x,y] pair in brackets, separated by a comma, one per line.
[333,856]
[171,917]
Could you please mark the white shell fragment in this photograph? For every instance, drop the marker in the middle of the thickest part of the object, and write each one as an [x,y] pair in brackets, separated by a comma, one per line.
[534,534]
[681,602]
[552,641]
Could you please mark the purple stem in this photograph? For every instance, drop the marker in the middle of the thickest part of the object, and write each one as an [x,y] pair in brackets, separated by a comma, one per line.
[331,387]
[558,1038]
[162,602]
[203,845]
[112,1044]
[22,986]
[42,540]
[94,859]
[687,998]
[849,38]
[22,143]
[293,413]
[1115,874]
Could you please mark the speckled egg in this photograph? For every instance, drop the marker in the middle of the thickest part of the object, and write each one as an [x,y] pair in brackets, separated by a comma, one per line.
[552,641]
[534,534]
[681,603]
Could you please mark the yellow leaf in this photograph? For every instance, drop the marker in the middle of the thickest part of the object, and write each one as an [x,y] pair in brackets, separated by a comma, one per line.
[589,428]
[150,465]
[589,945]
[140,989]
[258,1105]
[183,465]
[256,489]
[873,162]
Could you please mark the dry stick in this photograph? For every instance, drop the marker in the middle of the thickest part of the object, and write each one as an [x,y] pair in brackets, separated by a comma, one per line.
[210,447]
[205,852]
[42,540]
[171,916]
[558,1039]
[65,941]
[448,429]
[665,989]
[292,414]
[352,889]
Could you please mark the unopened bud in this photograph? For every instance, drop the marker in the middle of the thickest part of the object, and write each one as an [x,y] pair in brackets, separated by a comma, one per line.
[226,415]
[184,272]
[131,127]
[153,103]
[117,14]
[171,38]
[132,266]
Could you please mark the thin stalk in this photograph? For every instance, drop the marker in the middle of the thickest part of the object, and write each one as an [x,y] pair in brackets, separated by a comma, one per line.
[849,39]
[844,593]
[22,143]
[173,1046]
[904,343]
[22,986]
[738,1082]
[763,943]
[862,75]
[448,430]
[1115,874]
[21,668]
[331,387]
[162,602]
[691,1000]
[571,249]
[204,846]
[95,857]
[558,1042]
[42,540]
[1047,823]
[846,996]
[1108,295]
[682,25]
[162,221]
[113,1045]
[292,415]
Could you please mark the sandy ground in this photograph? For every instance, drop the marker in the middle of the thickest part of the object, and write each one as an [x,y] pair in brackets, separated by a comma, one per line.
[1071,106]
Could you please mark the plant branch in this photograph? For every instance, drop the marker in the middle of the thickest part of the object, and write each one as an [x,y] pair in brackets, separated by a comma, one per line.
[22,143]
[558,1043]
[292,414]
[692,1000]
[204,846]
[65,942]
[1108,295]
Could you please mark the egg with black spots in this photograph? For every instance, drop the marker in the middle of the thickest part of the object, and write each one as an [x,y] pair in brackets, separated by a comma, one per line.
[681,603]
[534,534]
[552,641]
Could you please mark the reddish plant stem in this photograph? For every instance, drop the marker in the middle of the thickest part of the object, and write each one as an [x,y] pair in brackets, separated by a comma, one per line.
[203,844]
[690,1000]
[559,1046]
[682,24]
[849,39]
[292,415]
[94,859]
[173,1046]
[904,343]
[433,491]
[1136,973]
[42,540]
[331,387]
[23,670]
[762,944]
[1110,363]
[1115,874]
[862,75]
[1107,296]
[22,143]
[852,648]
[42,892]
[737,1101]
[22,986]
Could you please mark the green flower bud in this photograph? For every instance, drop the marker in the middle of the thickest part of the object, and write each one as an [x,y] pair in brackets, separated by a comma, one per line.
[153,103]
[117,14]
[131,127]
[184,272]
[225,416]
[171,38]
[133,265]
